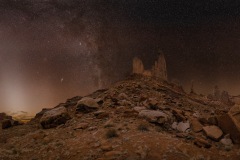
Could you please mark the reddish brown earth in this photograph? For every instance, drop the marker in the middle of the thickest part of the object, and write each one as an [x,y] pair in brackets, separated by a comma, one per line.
[109,124]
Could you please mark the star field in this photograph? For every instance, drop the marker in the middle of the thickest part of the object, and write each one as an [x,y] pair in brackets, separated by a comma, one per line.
[51,50]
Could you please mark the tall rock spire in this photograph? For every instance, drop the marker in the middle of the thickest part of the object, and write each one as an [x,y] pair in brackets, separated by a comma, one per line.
[159,69]
[138,66]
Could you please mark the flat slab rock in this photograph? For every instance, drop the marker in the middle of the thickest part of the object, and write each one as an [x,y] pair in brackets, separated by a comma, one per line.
[213,132]
[54,117]
[154,116]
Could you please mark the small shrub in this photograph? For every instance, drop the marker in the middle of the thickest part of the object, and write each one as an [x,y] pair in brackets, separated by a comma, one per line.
[143,127]
[111,133]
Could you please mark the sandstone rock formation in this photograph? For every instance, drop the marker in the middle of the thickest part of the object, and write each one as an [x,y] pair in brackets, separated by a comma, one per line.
[222,97]
[158,70]
[192,91]
[138,66]
[225,98]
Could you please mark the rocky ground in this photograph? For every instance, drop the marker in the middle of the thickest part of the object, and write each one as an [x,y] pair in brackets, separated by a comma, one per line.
[138,118]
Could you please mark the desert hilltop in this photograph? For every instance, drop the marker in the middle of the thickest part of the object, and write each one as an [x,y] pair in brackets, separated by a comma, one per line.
[142,117]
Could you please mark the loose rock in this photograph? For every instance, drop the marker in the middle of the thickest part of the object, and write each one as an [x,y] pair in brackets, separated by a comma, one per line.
[87,105]
[213,132]
[183,126]
[154,116]
[226,140]
[196,125]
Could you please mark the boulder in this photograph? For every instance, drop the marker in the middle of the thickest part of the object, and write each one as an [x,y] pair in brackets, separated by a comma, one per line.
[7,123]
[54,117]
[213,132]
[196,125]
[235,115]
[154,116]
[87,105]
[226,123]
[183,126]
[230,123]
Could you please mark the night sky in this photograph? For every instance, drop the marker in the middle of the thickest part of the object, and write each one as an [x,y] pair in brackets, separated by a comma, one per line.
[51,50]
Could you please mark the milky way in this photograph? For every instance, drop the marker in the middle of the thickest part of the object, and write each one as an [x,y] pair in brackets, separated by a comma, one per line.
[51,50]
